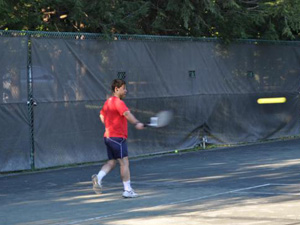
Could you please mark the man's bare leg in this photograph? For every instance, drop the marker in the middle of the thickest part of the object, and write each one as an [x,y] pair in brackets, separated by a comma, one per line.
[124,169]
[125,176]
[108,166]
[97,179]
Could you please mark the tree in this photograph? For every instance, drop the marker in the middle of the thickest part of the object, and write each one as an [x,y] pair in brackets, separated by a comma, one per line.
[225,19]
[282,19]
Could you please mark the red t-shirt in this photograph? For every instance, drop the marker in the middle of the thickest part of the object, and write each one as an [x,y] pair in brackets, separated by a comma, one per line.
[114,120]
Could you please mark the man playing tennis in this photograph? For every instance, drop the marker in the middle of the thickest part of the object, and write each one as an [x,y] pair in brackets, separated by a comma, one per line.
[114,116]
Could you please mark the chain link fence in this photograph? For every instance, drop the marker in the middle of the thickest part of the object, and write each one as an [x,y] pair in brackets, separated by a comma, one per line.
[54,83]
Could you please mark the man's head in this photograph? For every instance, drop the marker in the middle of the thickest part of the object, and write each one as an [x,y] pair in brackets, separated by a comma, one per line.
[119,88]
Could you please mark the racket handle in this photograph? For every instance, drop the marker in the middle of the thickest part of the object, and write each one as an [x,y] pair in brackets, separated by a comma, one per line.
[149,125]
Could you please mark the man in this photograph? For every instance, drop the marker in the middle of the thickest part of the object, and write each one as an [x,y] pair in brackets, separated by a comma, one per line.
[114,116]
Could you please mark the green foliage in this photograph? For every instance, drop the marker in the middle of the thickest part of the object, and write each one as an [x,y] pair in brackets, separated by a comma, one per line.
[225,19]
[285,17]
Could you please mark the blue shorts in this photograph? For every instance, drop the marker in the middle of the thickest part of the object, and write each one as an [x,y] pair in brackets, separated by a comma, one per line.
[116,147]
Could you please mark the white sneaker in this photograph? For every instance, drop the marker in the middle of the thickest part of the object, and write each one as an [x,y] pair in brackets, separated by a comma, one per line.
[97,187]
[130,194]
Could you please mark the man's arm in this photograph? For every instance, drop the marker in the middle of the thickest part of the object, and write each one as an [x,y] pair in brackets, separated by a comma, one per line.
[131,118]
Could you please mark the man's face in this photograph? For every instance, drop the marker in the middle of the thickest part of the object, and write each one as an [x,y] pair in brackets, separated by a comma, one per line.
[121,92]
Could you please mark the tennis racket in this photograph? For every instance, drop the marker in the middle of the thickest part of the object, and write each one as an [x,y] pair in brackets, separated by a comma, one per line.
[161,119]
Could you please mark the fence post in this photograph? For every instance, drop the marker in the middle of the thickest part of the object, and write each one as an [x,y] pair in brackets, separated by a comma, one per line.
[30,103]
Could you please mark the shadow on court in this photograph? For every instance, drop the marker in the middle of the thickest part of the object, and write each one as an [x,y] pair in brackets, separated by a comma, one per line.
[254,184]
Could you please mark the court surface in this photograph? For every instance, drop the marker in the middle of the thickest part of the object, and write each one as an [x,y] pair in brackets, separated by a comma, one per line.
[253,184]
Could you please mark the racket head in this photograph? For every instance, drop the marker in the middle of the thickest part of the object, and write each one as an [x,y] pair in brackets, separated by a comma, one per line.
[164,118]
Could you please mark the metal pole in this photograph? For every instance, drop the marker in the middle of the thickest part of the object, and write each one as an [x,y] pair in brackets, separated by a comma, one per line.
[204,140]
[30,104]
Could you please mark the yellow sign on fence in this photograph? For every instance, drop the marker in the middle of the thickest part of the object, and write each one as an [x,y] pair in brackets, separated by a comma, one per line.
[276,100]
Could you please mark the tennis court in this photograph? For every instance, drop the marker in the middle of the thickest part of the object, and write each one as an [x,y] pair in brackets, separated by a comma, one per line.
[252,184]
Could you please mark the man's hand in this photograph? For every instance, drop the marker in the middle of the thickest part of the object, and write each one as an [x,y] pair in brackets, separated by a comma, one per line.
[139,126]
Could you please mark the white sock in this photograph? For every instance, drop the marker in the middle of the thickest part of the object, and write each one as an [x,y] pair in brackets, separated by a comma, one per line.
[127,186]
[100,176]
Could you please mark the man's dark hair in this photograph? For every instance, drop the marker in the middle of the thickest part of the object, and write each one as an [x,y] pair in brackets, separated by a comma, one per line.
[117,83]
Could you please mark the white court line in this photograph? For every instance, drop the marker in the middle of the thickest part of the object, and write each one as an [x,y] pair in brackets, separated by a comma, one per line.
[166,204]
[278,193]
[275,184]
[274,193]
